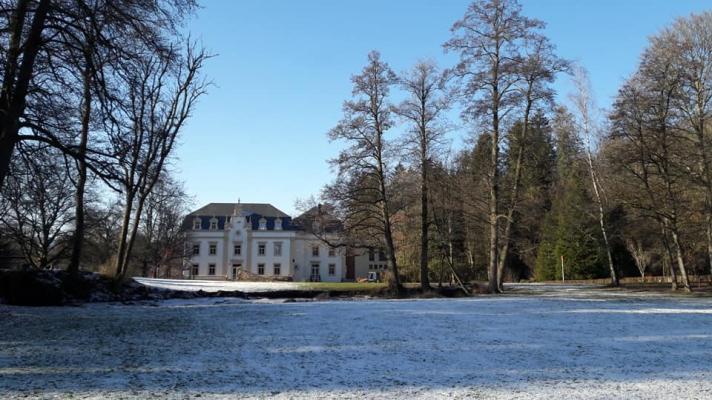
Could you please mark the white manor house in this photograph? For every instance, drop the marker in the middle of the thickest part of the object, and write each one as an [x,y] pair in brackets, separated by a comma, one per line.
[225,238]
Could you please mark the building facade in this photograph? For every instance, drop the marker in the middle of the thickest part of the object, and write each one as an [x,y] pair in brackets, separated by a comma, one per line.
[225,238]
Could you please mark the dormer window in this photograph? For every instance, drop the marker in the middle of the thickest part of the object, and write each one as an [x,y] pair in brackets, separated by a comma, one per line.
[214,224]
[263,224]
[278,224]
[196,224]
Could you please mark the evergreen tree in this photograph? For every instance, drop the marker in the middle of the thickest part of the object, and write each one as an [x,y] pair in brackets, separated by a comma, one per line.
[569,228]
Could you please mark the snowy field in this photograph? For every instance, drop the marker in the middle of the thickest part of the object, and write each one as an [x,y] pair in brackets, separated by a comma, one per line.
[567,344]
[214,286]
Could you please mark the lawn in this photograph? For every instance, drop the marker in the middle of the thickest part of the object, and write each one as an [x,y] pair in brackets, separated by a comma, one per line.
[342,286]
[562,343]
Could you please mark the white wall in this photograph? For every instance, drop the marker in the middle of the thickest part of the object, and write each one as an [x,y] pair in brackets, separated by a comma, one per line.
[269,238]
[304,244]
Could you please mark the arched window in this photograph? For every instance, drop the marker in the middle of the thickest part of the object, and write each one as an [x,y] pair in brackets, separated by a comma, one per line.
[278,224]
[196,223]
[263,224]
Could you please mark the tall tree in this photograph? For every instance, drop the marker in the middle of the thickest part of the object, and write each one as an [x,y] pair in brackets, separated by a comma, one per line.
[651,152]
[489,39]
[42,32]
[537,71]
[25,20]
[584,105]
[160,96]
[362,188]
[424,110]
[689,43]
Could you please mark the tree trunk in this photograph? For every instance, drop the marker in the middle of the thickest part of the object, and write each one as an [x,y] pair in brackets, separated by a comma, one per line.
[680,262]
[424,223]
[15,88]
[668,251]
[709,237]
[78,237]
[132,236]
[493,206]
[125,220]
[515,194]
[601,220]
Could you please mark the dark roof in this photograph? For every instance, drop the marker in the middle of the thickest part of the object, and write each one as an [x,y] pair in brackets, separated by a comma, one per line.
[324,213]
[224,209]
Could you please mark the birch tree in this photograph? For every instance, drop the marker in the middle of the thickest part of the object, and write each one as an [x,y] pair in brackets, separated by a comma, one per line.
[585,108]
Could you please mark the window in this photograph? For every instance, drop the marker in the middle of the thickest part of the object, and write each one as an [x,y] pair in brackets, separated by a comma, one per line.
[213,249]
[381,255]
[332,252]
[315,251]
[237,250]
[195,270]
[211,269]
[371,255]
[277,269]
[196,249]
[213,224]
[260,269]
[278,224]
[278,249]
[315,272]
[196,224]
[263,224]
[332,269]
[261,249]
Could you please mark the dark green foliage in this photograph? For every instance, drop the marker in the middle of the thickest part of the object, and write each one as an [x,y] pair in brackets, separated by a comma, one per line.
[570,229]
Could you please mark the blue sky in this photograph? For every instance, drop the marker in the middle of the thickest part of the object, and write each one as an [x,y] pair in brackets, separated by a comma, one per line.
[283,69]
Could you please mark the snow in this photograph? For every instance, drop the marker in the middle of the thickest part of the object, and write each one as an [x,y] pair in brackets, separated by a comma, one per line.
[557,343]
[214,286]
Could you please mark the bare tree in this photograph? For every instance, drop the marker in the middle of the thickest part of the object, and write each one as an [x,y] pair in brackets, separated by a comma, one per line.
[583,103]
[361,191]
[26,21]
[489,39]
[160,96]
[161,231]
[38,203]
[38,47]
[688,43]
[537,72]
[651,150]
[641,256]
[424,111]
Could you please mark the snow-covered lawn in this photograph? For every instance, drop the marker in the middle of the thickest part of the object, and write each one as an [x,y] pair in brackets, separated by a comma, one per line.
[566,344]
[214,286]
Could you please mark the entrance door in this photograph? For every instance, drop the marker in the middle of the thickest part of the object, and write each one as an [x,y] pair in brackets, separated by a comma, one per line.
[315,275]
[235,267]
[350,267]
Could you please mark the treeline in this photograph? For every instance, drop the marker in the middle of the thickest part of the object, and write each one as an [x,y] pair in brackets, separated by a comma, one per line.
[94,96]
[544,190]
